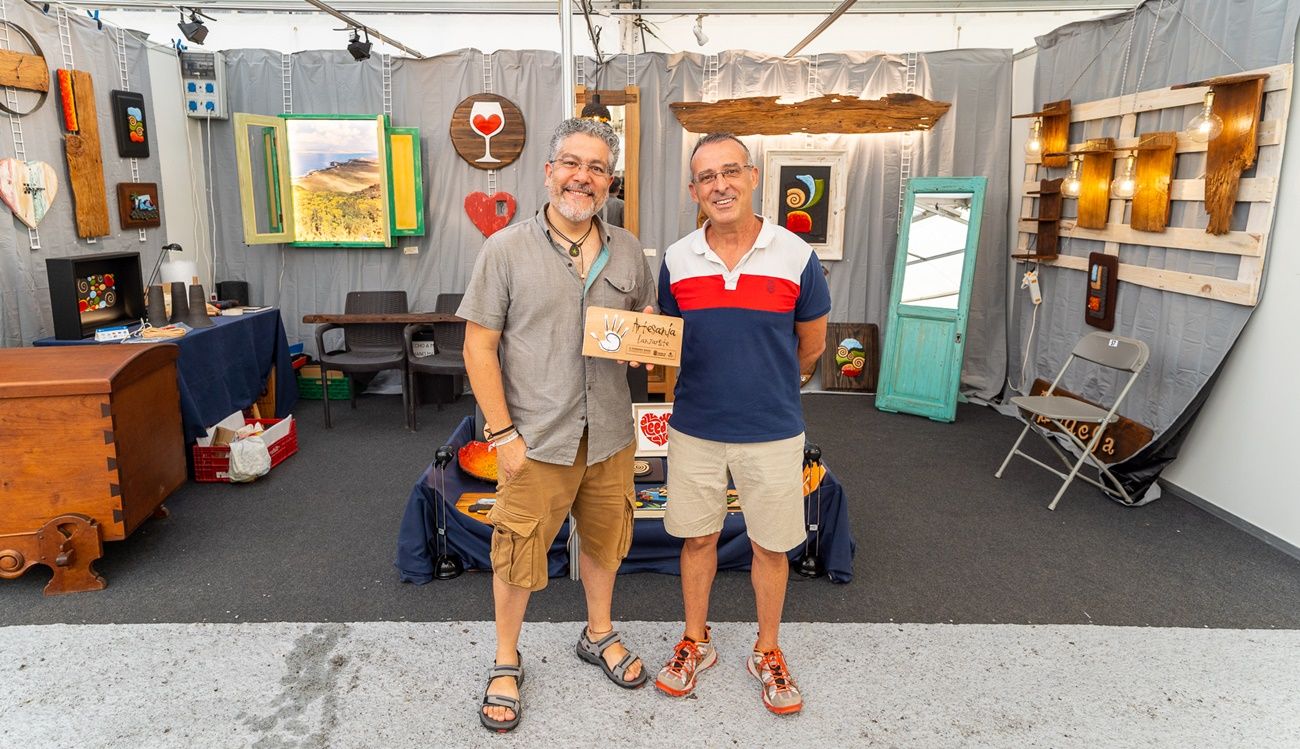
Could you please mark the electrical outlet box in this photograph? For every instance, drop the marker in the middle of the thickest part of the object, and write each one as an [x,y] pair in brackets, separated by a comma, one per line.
[411,249]
[203,85]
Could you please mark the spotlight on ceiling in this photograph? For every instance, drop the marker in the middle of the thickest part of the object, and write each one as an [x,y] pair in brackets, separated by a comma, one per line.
[700,37]
[193,29]
[358,49]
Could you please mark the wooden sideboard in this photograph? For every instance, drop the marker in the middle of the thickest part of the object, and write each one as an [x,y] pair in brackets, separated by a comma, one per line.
[90,446]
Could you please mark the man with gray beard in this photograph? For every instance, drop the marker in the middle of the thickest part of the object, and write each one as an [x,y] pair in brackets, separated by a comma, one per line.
[560,423]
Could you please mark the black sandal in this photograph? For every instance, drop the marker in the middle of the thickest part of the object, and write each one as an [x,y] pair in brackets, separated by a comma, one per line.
[592,653]
[500,700]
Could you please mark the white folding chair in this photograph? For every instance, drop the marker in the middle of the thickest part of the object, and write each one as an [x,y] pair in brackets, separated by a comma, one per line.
[1107,350]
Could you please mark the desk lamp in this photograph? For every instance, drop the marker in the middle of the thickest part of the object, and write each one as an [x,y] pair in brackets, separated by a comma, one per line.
[156,308]
[447,565]
[809,564]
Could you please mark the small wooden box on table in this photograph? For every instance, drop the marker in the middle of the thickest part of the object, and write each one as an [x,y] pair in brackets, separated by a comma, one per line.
[90,446]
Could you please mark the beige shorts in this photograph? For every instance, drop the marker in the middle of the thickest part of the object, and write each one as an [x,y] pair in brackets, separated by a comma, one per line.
[533,504]
[768,478]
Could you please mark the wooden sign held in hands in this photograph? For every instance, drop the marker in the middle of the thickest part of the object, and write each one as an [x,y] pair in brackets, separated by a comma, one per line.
[626,335]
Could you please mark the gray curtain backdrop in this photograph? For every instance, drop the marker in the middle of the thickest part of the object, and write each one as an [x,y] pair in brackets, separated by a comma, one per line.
[972,139]
[1189,336]
[24,292]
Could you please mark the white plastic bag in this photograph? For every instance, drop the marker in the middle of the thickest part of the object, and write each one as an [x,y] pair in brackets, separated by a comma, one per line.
[249,458]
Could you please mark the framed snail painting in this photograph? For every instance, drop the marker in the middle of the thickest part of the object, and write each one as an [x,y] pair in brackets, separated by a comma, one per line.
[804,191]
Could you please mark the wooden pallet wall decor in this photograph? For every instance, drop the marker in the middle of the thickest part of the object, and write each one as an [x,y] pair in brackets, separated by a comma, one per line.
[1055,135]
[1249,243]
[84,155]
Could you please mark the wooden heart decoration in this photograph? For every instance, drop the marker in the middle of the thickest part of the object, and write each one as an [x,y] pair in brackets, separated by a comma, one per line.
[655,427]
[490,213]
[28,188]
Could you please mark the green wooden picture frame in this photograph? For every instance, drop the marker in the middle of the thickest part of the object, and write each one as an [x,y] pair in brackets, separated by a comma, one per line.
[405,182]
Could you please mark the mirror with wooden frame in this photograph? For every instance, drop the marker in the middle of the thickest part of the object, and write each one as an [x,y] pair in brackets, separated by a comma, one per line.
[625,117]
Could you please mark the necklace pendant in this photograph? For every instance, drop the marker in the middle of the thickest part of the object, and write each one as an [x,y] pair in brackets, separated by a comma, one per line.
[574,250]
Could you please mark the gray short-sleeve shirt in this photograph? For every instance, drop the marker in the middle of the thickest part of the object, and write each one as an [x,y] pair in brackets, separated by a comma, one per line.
[525,286]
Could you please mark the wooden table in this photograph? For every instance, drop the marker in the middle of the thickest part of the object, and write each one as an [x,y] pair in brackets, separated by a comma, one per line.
[382,317]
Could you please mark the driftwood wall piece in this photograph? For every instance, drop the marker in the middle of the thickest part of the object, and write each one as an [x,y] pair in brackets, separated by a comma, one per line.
[1154,172]
[1233,152]
[27,72]
[1094,193]
[832,113]
[86,162]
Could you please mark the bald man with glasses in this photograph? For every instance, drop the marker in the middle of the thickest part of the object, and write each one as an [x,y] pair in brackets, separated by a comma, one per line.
[754,301]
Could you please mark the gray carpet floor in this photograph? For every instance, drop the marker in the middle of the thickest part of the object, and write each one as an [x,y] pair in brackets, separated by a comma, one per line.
[270,615]
[939,540]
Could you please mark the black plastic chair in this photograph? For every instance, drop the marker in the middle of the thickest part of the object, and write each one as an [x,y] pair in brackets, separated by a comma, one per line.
[448,359]
[368,347]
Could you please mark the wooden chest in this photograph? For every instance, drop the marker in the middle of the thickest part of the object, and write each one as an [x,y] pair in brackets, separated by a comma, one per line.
[90,446]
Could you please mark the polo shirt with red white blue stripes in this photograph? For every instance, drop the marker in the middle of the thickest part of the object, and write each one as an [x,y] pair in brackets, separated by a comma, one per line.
[739,377]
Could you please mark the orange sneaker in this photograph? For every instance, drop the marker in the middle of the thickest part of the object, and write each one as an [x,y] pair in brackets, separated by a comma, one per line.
[677,677]
[780,694]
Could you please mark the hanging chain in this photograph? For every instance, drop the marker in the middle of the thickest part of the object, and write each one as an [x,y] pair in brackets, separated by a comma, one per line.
[15,122]
[125,81]
[386,65]
[905,153]
[813,89]
[487,88]
[631,68]
[580,77]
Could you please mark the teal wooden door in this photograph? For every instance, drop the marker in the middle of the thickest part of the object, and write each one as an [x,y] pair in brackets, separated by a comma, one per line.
[925,334]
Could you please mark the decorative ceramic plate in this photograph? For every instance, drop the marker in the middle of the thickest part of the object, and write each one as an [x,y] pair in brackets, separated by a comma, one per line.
[478,461]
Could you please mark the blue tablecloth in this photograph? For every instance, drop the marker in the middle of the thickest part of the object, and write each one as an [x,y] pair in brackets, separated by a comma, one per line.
[653,550]
[223,369]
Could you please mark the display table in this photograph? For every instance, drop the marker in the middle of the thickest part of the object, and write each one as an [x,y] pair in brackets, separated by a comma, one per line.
[223,369]
[653,550]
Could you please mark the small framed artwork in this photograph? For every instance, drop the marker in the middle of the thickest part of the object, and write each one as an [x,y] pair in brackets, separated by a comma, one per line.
[805,192]
[651,423]
[129,123]
[138,206]
[852,357]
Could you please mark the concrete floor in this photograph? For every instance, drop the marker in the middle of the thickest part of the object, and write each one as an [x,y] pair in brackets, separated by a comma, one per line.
[390,684]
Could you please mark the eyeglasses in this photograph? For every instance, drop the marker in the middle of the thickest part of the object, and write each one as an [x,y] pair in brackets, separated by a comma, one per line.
[730,173]
[595,168]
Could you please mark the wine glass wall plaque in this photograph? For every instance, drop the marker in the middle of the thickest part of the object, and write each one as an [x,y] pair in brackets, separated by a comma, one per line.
[488,131]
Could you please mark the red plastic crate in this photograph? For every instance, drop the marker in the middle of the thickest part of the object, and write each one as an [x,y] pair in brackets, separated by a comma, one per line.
[212,464]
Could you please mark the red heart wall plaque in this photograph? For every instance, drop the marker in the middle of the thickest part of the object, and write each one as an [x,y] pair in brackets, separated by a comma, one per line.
[490,213]
[655,427]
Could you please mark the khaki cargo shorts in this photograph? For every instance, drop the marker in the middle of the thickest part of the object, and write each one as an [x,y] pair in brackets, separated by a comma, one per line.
[534,503]
[768,478]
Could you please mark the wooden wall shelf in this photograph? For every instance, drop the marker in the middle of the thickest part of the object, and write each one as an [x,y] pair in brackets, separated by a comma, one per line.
[1048,220]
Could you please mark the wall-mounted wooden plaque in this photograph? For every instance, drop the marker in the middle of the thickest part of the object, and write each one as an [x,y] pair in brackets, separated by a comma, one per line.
[488,131]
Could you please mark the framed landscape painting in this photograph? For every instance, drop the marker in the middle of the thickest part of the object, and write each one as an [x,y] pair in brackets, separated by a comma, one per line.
[338,169]
[804,191]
